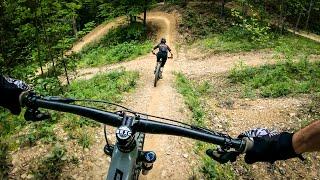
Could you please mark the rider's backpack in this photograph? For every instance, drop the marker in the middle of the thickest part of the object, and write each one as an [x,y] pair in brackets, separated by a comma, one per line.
[163,48]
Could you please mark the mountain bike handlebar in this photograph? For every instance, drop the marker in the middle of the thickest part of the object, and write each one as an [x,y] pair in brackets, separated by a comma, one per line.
[170,57]
[31,100]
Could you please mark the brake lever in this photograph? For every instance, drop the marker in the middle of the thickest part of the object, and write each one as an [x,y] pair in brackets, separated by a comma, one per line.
[35,115]
[222,156]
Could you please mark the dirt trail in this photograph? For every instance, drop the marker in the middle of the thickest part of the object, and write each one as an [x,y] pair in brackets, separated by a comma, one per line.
[95,35]
[174,158]
[311,36]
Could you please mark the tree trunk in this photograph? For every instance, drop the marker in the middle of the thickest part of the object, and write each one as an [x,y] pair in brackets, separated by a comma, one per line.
[74,26]
[65,68]
[297,23]
[244,8]
[281,17]
[265,5]
[38,42]
[222,8]
[185,3]
[47,40]
[308,16]
[38,49]
[145,14]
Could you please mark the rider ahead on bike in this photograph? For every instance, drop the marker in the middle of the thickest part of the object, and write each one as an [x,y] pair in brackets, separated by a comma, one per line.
[163,52]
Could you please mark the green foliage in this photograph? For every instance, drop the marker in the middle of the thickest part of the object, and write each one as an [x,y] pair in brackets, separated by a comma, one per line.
[125,33]
[52,165]
[236,40]
[85,140]
[9,124]
[87,28]
[253,29]
[204,16]
[43,131]
[107,86]
[218,43]
[47,86]
[5,159]
[113,54]
[292,46]
[123,43]
[279,79]
[212,170]
[191,95]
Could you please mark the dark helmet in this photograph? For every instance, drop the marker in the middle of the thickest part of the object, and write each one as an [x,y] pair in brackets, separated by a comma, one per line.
[163,40]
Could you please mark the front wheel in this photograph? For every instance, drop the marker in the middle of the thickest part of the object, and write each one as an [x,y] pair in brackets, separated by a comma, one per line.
[140,143]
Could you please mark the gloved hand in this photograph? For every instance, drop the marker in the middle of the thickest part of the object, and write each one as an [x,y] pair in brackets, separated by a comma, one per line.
[10,90]
[269,146]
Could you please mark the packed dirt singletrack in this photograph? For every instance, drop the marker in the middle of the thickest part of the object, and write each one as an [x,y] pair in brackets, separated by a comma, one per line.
[173,153]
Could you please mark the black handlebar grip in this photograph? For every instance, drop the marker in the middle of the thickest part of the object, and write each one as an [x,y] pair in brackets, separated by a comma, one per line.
[248,144]
[223,156]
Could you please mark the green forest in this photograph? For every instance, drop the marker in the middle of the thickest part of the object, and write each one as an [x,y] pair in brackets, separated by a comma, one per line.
[238,64]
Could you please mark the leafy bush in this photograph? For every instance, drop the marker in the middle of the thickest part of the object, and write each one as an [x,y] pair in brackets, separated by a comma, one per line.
[87,28]
[255,30]
[279,79]
[122,43]
[107,86]
[114,53]
[205,17]
[124,33]
[47,86]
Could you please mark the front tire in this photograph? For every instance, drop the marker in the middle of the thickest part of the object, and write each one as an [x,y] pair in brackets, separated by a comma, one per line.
[140,144]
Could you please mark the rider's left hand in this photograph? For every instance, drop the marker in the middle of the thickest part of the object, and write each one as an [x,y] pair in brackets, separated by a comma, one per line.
[10,90]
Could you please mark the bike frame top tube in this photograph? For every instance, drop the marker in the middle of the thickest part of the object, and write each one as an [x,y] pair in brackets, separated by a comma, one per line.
[141,125]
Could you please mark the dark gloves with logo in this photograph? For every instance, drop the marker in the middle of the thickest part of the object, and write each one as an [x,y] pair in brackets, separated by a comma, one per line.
[10,90]
[269,146]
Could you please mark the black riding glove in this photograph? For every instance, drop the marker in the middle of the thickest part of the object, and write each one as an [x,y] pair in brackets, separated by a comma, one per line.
[269,146]
[10,90]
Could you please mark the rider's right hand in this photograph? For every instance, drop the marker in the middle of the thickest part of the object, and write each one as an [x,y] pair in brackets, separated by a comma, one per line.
[269,146]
